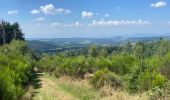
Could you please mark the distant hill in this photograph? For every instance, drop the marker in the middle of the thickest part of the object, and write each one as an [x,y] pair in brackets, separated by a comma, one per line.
[63,44]
[40,46]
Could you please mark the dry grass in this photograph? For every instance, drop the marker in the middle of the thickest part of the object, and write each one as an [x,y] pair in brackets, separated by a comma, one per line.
[108,93]
[68,88]
[29,94]
[75,81]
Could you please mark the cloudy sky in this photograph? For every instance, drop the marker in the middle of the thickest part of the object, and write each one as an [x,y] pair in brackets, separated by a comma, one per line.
[87,18]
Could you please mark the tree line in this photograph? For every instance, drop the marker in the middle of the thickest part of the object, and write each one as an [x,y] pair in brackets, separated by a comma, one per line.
[9,31]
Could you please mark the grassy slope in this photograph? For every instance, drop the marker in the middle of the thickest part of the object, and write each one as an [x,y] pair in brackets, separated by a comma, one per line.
[65,88]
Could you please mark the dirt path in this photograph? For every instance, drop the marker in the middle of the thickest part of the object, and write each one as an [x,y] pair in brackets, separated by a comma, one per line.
[49,90]
[46,87]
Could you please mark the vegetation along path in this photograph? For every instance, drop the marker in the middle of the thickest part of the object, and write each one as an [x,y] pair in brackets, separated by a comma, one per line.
[46,87]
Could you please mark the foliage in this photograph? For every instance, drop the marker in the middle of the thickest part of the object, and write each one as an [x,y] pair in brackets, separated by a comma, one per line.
[16,63]
[74,66]
[150,77]
[137,67]
[105,77]
[122,64]
[93,51]
[9,32]
[158,93]
[165,70]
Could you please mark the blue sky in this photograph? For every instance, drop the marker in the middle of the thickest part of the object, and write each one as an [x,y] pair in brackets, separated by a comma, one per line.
[87,18]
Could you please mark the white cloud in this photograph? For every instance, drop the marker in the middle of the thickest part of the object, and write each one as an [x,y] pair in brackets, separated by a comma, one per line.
[34,12]
[76,24]
[12,12]
[51,10]
[48,9]
[40,19]
[63,11]
[159,4]
[102,22]
[86,14]
[106,15]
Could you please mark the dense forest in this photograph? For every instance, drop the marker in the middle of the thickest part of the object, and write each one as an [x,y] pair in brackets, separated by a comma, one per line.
[140,67]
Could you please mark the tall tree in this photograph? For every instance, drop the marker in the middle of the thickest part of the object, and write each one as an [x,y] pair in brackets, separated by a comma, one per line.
[9,31]
[2,31]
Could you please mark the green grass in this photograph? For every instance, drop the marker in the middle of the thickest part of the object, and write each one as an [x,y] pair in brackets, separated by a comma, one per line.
[82,93]
[79,92]
[51,88]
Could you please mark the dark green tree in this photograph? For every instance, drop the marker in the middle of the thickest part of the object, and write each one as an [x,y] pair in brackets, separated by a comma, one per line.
[9,31]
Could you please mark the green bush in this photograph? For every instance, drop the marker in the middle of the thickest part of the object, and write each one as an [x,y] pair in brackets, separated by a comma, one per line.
[158,93]
[105,77]
[122,64]
[8,90]
[16,64]
[145,81]
[165,70]
[74,66]
[103,63]
[159,80]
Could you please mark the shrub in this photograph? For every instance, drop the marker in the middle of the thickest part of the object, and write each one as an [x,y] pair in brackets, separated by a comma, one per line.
[103,63]
[105,77]
[8,90]
[122,64]
[158,93]
[165,70]
[74,66]
[145,81]
[15,70]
